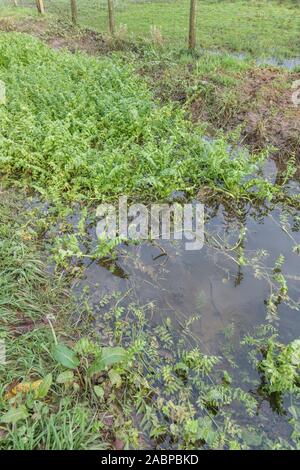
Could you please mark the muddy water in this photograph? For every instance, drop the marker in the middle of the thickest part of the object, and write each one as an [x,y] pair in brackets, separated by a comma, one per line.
[227,299]
[209,283]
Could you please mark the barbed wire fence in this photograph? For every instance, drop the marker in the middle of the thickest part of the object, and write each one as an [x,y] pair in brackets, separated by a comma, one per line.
[164,21]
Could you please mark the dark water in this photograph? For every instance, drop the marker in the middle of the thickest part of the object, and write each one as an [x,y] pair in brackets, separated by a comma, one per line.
[210,283]
[227,299]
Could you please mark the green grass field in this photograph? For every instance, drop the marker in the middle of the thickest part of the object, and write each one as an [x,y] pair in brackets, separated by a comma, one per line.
[254,27]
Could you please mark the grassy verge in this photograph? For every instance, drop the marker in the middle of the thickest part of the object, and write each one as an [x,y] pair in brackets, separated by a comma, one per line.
[256,27]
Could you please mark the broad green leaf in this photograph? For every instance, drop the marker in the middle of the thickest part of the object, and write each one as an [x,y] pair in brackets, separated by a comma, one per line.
[109,357]
[65,377]
[115,378]
[14,415]
[65,356]
[99,392]
[43,389]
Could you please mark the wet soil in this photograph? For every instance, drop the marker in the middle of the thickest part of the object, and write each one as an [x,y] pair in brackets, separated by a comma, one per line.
[263,109]
[227,299]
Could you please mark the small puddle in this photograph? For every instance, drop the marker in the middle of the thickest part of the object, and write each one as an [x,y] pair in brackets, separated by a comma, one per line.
[289,64]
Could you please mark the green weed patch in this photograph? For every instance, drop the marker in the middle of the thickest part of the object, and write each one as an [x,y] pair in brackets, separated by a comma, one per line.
[80,128]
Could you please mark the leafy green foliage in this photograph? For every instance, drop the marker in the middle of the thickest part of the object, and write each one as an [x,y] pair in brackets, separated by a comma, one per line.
[43,412]
[65,356]
[109,357]
[81,128]
[278,364]
[281,367]
[94,135]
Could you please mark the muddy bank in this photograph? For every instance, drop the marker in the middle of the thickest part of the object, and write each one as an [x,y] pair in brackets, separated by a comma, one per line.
[256,103]
[263,109]
[63,35]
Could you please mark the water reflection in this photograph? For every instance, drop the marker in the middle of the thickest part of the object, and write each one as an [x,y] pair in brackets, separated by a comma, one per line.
[210,284]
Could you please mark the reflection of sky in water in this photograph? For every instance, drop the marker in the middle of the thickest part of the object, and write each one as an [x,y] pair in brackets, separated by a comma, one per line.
[290,64]
[179,285]
[206,283]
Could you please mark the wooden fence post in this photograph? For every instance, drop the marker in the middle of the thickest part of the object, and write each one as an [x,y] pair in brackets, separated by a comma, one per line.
[111,16]
[40,6]
[192,29]
[74,11]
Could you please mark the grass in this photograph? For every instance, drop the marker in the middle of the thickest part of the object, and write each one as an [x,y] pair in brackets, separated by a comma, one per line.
[28,296]
[259,28]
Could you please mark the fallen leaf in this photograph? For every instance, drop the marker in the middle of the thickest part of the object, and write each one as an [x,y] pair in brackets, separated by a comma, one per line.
[23,387]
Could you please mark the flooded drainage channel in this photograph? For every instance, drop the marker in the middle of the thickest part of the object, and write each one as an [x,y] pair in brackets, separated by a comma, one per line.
[213,296]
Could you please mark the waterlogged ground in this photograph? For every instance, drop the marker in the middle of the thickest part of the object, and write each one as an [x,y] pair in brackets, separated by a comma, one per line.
[213,297]
[210,300]
[209,282]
